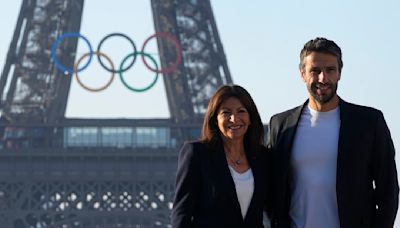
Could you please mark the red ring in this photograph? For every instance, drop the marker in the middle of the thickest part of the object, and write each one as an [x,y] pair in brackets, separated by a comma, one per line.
[178,49]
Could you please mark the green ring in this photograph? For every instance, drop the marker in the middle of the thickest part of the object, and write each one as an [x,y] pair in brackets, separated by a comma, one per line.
[133,88]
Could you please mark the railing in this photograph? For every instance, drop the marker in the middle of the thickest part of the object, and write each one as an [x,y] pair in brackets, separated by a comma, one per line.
[89,134]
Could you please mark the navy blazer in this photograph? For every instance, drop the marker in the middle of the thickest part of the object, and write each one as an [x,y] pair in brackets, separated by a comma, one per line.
[365,156]
[205,194]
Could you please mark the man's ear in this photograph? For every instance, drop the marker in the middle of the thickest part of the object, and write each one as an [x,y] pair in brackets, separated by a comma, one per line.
[302,75]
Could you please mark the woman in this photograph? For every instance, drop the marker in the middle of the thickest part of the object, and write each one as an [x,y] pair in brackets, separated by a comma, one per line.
[222,179]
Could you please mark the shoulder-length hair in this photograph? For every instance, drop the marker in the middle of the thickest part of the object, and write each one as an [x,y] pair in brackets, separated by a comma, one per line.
[210,132]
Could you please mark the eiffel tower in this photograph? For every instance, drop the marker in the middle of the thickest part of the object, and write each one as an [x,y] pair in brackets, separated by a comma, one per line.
[61,172]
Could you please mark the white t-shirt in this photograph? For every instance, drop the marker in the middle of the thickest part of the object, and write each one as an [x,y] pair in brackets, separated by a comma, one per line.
[314,163]
[244,184]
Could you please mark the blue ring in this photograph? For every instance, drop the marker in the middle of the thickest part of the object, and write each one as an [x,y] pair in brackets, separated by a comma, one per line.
[55,45]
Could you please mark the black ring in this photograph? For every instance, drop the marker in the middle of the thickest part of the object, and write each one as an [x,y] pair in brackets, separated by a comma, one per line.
[134,51]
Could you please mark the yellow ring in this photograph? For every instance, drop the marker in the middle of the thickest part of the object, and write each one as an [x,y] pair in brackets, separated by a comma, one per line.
[86,87]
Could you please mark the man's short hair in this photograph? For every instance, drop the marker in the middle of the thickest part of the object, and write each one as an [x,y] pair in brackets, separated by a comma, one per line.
[322,45]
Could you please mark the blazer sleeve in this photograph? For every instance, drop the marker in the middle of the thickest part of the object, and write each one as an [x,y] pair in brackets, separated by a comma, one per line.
[186,187]
[385,176]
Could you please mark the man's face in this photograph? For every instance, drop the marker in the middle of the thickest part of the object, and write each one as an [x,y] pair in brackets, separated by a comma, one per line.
[321,75]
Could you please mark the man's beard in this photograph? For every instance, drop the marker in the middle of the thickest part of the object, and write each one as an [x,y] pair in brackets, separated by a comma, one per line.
[322,98]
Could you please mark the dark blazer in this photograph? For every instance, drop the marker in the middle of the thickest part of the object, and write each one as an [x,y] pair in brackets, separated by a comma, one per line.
[205,194]
[365,155]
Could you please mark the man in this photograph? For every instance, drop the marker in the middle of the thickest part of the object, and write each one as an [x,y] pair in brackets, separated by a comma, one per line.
[333,161]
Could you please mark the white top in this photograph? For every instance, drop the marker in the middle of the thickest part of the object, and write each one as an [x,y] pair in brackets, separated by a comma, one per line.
[314,160]
[244,184]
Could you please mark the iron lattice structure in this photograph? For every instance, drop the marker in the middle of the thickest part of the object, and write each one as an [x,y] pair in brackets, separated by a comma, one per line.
[59,172]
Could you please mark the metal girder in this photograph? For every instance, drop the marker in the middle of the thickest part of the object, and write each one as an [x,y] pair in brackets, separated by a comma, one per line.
[37,92]
[204,67]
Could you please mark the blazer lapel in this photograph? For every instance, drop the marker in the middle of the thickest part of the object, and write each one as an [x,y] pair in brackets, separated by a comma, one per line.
[257,175]
[225,180]
[344,138]
[290,127]
[344,162]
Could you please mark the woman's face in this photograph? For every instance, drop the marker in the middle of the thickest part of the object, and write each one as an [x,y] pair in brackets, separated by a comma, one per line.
[233,119]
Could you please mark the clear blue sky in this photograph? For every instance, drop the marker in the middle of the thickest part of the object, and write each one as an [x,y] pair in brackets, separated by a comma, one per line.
[262,40]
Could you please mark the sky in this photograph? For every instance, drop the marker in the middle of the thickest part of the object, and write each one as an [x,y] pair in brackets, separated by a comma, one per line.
[261,39]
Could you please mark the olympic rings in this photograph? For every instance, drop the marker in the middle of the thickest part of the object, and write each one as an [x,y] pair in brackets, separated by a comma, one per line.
[134,56]
[89,88]
[99,54]
[134,51]
[57,43]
